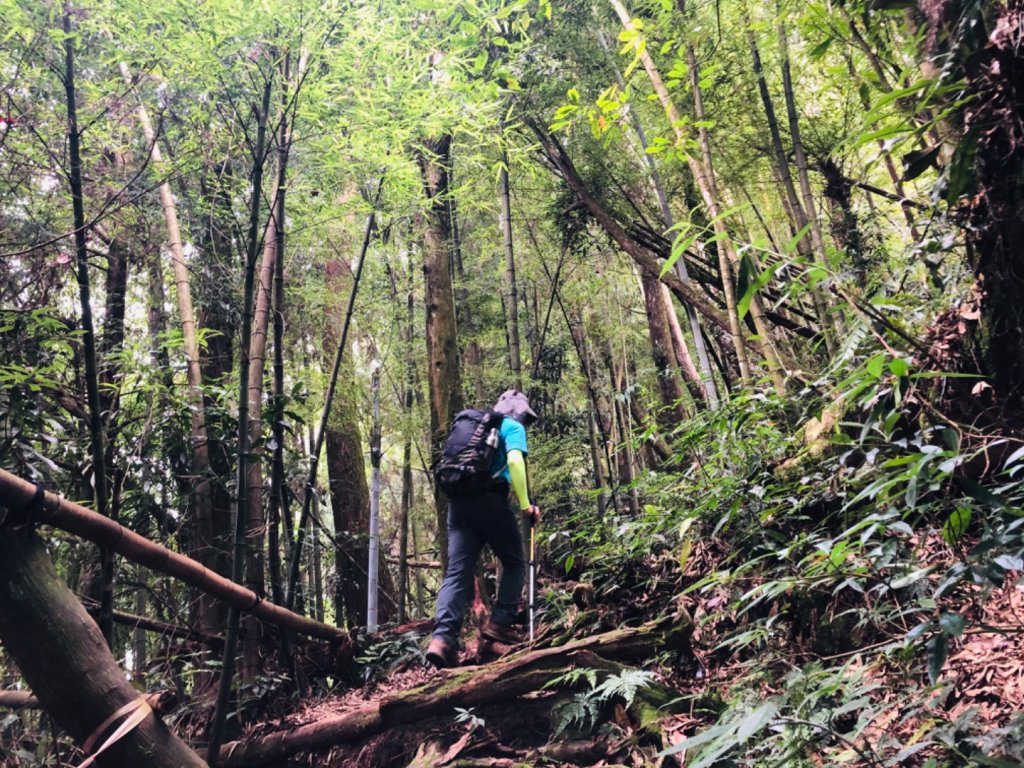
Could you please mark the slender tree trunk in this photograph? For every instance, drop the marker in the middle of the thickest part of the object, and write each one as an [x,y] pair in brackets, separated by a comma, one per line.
[682,353]
[239,539]
[463,310]
[255,518]
[792,203]
[139,639]
[800,159]
[595,458]
[702,176]
[96,436]
[67,663]
[673,408]
[346,471]
[710,395]
[407,479]
[205,546]
[278,496]
[505,222]
[443,375]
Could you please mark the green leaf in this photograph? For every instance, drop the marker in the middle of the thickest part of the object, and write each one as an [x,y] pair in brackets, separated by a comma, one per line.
[956,525]
[756,721]
[819,50]
[952,624]
[876,365]
[899,367]
[909,578]
[938,651]
[754,286]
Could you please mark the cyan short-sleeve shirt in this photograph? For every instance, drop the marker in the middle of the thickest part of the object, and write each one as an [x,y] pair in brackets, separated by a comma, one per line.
[513,438]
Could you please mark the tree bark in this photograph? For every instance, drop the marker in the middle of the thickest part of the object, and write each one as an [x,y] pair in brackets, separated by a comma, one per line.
[691,377]
[96,433]
[18,494]
[443,375]
[346,471]
[205,546]
[659,331]
[505,223]
[793,206]
[505,679]
[407,478]
[67,664]
[239,537]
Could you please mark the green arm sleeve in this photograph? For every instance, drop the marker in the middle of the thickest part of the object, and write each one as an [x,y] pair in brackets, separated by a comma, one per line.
[517,471]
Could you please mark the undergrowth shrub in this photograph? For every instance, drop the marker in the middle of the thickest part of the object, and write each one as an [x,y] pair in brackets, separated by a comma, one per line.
[828,555]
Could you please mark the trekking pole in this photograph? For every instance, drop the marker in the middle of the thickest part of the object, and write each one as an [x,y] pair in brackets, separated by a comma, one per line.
[533,570]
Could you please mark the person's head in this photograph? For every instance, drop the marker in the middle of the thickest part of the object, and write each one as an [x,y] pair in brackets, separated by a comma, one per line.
[514,404]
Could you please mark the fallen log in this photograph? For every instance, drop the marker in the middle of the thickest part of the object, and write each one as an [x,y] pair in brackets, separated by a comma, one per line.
[526,671]
[27,505]
[62,655]
[18,700]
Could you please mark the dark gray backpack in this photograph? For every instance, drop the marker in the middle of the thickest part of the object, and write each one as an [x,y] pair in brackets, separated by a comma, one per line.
[465,464]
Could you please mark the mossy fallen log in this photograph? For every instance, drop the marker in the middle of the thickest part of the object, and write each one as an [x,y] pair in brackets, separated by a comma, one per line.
[526,671]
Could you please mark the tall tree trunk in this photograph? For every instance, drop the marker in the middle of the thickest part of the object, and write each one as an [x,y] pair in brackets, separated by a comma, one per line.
[702,176]
[255,518]
[67,663]
[505,222]
[682,353]
[800,159]
[595,459]
[407,479]
[205,544]
[239,538]
[792,202]
[710,394]
[659,330]
[463,310]
[96,433]
[993,312]
[443,376]
[346,471]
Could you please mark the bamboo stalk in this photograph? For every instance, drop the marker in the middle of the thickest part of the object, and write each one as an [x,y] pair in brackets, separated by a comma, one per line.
[16,493]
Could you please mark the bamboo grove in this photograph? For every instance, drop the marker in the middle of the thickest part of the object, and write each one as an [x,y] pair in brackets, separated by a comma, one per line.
[226,228]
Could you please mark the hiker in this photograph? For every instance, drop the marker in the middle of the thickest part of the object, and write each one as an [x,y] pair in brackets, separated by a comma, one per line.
[487,516]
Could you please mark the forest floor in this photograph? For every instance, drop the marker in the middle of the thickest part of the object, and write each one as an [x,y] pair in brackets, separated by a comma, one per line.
[556,719]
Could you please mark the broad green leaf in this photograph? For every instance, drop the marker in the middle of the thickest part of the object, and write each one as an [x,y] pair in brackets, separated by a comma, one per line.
[938,651]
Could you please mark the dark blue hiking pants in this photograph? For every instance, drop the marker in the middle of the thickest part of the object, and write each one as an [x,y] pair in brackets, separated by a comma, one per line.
[487,518]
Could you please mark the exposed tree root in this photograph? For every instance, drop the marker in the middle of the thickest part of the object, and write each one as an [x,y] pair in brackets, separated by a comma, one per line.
[525,674]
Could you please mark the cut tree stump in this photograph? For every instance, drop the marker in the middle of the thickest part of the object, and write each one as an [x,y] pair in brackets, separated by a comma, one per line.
[524,672]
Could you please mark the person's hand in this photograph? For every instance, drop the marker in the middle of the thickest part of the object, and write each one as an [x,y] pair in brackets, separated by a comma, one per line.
[532,512]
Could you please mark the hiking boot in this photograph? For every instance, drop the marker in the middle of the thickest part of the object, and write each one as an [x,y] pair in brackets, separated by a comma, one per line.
[500,633]
[441,654]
